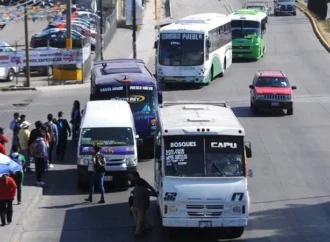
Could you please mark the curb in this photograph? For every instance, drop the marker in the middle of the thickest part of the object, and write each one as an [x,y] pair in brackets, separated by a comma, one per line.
[25,217]
[170,6]
[10,89]
[315,28]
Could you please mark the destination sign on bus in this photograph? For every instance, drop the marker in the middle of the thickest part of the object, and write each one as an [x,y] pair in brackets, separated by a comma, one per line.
[187,36]
[109,89]
[145,88]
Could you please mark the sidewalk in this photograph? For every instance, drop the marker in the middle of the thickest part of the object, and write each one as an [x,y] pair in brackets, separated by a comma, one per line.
[31,196]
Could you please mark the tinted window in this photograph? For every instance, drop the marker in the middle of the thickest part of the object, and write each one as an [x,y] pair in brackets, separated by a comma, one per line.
[224,156]
[184,156]
[245,29]
[272,82]
[181,49]
[107,137]
[140,98]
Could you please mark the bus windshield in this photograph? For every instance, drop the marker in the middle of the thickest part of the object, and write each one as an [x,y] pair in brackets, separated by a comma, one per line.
[106,137]
[181,49]
[141,98]
[210,156]
[262,8]
[245,29]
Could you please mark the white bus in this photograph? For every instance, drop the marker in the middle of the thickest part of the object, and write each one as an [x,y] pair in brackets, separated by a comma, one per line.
[194,49]
[201,167]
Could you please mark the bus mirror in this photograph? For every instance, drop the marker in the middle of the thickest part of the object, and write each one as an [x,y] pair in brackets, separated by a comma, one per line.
[158,151]
[250,173]
[251,87]
[156,44]
[208,43]
[160,97]
[248,149]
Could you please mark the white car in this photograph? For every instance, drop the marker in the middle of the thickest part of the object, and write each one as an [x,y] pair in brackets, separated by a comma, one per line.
[7,72]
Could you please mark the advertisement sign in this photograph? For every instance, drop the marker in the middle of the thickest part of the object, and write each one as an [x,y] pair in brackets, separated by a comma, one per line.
[129,12]
[45,57]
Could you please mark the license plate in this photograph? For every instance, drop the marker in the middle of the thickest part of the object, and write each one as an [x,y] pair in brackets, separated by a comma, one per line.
[108,178]
[240,55]
[275,104]
[205,224]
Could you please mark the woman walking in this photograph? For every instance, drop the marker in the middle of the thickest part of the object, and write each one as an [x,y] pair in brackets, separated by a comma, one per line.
[98,174]
[7,193]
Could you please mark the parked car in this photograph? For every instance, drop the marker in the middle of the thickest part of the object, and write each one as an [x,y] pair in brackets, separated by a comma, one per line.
[7,72]
[271,90]
[76,27]
[57,38]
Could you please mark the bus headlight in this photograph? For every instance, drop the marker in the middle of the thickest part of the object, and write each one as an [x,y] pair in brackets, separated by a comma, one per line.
[131,162]
[237,209]
[172,209]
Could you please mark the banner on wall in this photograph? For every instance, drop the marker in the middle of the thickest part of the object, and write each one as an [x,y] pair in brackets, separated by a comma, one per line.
[45,57]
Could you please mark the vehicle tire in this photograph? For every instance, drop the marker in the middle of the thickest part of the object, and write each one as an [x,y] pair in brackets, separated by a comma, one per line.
[289,111]
[211,74]
[294,13]
[275,13]
[222,74]
[11,75]
[235,232]
[255,110]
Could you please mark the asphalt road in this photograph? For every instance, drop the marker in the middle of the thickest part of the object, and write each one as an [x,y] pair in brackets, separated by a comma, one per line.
[289,191]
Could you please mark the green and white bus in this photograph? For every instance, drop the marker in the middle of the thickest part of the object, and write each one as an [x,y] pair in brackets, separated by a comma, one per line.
[249,28]
[194,49]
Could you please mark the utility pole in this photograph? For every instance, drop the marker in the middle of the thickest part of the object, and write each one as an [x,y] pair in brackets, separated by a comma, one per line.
[68,25]
[101,29]
[134,27]
[27,54]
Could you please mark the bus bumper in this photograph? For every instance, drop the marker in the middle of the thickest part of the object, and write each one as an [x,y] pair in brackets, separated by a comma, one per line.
[252,53]
[183,79]
[196,222]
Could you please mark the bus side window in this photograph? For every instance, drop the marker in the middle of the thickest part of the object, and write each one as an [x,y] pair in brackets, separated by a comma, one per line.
[207,47]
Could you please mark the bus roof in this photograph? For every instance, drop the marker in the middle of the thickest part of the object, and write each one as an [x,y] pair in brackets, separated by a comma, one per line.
[115,72]
[108,113]
[248,14]
[183,117]
[199,22]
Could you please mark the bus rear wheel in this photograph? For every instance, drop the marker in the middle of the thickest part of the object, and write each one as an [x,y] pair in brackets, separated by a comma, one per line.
[224,68]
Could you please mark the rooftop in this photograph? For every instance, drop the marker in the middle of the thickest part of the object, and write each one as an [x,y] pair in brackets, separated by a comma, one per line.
[107,113]
[270,73]
[190,115]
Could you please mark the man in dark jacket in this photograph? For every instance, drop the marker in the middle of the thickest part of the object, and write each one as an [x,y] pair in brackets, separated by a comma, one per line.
[64,131]
[34,132]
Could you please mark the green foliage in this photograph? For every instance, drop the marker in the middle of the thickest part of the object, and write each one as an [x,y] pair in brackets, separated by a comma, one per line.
[318,7]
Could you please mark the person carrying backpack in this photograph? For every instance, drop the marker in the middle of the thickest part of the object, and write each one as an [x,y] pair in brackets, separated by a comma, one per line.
[53,133]
[38,151]
[19,175]
[64,130]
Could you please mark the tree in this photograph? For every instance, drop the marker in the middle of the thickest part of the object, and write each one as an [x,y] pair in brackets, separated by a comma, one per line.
[319,8]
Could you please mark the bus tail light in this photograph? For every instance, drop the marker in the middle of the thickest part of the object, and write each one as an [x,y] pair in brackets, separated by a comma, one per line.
[165,209]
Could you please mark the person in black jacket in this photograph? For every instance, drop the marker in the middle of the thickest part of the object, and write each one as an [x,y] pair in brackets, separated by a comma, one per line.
[64,131]
[34,132]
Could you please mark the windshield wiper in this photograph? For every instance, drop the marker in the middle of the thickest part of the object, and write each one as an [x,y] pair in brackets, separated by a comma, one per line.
[177,169]
[219,170]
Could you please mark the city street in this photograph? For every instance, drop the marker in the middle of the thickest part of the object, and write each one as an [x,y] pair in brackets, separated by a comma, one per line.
[290,196]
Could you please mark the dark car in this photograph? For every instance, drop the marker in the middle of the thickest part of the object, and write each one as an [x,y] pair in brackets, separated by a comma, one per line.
[57,38]
[285,7]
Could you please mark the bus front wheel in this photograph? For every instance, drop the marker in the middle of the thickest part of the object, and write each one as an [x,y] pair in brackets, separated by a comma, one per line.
[235,232]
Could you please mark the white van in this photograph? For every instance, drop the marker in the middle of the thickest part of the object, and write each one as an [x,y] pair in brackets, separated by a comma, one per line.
[110,125]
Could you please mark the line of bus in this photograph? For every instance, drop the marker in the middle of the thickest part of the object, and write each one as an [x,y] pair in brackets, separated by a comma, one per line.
[249,28]
[194,49]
